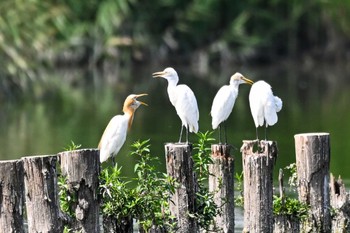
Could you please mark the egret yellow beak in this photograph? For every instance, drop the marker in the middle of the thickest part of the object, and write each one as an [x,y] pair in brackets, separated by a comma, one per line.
[158,74]
[141,101]
[248,81]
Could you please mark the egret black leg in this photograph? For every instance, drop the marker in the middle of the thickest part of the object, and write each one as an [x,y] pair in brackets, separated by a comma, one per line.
[225,132]
[187,135]
[219,133]
[256,131]
[181,133]
[266,133]
[113,161]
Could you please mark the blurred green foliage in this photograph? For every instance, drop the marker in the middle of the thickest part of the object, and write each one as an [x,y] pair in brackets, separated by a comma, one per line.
[37,32]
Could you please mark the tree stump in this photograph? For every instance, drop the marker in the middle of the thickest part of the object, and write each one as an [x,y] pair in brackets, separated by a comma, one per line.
[111,225]
[11,196]
[312,160]
[81,169]
[40,179]
[179,165]
[283,222]
[221,182]
[340,203]
[258,185]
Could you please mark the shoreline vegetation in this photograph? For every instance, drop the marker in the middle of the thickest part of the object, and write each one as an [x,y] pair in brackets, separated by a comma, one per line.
[99,34]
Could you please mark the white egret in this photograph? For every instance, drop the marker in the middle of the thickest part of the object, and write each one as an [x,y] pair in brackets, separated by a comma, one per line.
[224,101]
[183,99]
[114,135]
[263,105]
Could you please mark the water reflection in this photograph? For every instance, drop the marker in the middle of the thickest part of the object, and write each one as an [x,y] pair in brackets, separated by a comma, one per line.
[316,98]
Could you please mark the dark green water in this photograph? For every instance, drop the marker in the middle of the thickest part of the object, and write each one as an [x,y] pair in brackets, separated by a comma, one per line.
[316,98]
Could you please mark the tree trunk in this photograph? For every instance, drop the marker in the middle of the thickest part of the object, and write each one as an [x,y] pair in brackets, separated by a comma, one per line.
[11,196]
[81,169]
[179,165]
[221,182]
[111,225]
[283,222]
[40,179]
[258,185]
[340,202]
[312,159]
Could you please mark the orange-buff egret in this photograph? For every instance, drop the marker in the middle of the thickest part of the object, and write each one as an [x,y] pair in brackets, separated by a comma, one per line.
[183,99]
[263,105]
[224,101]
[114,135]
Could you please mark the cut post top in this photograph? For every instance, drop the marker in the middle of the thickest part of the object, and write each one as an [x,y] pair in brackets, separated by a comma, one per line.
[178,143]
[79,151]
[263,146]
[10,161]
[38,156]
[221,150]
[311,134]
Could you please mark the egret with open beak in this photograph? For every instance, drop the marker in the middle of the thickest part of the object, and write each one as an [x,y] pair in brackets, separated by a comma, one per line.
[115,133]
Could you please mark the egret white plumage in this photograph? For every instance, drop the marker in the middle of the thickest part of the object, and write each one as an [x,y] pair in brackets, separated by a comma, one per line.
[263,105]
[224,101]
[115,133]
[183,99]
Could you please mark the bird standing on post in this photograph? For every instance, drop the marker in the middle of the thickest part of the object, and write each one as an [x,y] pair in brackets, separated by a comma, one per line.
[224,101]
[114,135]
[183,99]
[263,105]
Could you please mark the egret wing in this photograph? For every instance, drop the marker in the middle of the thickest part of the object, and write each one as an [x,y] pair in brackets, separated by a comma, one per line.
[187,108]
[222,105]
[113,137]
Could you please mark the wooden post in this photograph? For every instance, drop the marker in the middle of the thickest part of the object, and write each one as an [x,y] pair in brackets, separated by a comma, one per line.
[258,185]
[111,225]
[40,179]
[11,196]
[283,222]
[179,165]
[340,202]
[81,169]
[221,181]
[312,159]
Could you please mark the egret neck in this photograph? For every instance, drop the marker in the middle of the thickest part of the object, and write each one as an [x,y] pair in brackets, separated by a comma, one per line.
[129,113]
[171,90]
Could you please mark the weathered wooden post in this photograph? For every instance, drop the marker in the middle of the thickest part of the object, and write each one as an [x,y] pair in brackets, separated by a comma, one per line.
[40,179]
[221,181]
[340,202]
[283,222]
[179,165]
[81,169]
[312,160]
[258,185]
[11,196]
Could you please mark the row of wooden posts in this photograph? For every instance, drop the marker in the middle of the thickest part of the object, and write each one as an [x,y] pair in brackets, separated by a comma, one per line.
[31,184]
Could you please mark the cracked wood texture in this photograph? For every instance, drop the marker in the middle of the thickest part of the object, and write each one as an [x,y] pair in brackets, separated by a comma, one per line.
[11,196]
[221,182]
[258,185]
[81,169]
[179,165]
[312,160]
[40,179]
[340,202]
